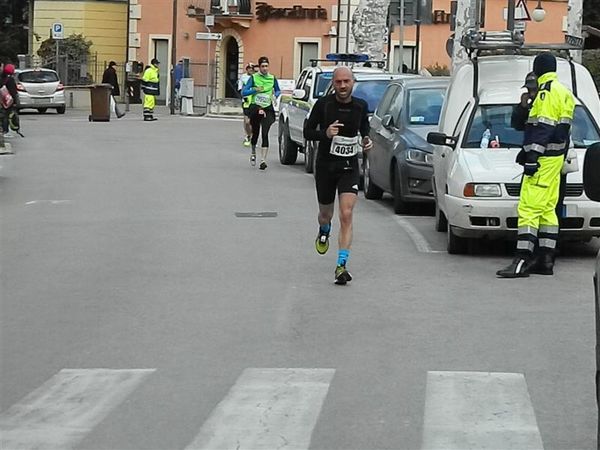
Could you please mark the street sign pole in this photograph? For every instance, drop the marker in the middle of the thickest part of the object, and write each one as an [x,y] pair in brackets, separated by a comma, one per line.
[209,21]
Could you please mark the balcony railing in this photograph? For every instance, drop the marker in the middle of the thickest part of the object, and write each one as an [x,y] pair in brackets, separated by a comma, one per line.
[220,8]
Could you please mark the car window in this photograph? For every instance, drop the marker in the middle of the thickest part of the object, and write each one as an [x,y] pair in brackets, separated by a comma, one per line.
[300,83]
[396,107]
[425,106]
[323,80]
[497,118]
[37,76]
[371,91]
[386,100]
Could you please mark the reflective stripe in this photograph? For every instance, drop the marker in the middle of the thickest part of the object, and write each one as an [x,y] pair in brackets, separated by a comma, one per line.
[548,243]
[566,120]
[547,121]
[525,245]
[555,146]
[534,147]
[549,229]
[528,230]
[532,120]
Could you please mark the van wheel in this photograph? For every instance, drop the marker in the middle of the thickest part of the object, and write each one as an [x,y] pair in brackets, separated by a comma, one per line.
[400,206]
[456,244]
[42,110]
[309,156]
[288,149]
[372,192]
[61,110]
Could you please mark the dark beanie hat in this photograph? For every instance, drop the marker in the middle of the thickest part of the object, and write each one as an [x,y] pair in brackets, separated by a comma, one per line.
[544,63]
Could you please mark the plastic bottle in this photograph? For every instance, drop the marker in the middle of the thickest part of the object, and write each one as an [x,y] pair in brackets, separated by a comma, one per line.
[485,139]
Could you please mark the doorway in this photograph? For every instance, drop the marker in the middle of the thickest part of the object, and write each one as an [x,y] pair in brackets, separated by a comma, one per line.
[231,68]
[161,52]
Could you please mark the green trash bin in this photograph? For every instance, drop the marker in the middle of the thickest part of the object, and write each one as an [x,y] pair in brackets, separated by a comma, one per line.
[100,102]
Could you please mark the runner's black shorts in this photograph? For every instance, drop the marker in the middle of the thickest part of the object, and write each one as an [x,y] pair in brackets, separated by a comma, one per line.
[247,111]
[341,175]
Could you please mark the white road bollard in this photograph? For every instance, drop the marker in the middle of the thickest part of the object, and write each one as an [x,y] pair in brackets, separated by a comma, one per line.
[186,91]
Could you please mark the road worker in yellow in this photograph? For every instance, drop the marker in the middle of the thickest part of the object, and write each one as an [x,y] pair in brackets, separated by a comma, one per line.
[151,88]
[545,143]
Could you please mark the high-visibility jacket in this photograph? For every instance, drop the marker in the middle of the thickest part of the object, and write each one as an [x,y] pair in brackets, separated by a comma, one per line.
[270,89]
[151,81]
[549,124]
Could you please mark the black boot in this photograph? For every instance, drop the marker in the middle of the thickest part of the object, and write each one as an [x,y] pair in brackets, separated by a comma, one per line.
[544,264]
[519,268]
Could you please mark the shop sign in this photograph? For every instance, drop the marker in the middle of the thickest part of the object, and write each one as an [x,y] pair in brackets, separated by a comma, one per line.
[264,11]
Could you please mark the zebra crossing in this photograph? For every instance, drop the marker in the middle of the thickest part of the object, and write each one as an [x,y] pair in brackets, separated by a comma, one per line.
[270,408]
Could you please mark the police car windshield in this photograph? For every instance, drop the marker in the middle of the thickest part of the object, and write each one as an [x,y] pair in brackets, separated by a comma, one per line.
[323,80]
[497,119]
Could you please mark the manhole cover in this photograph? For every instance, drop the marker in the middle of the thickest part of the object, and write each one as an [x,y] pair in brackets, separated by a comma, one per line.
[256,214]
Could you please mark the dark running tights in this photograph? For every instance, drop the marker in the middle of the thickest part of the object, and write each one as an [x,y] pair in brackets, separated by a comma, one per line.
[262,124]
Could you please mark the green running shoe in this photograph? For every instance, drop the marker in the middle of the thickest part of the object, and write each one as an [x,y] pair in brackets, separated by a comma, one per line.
[247,142]
[342,276]
[322,243]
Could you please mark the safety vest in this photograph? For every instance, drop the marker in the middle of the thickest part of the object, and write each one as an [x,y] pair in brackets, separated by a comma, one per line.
[549,123]
[150,81]
[264,98]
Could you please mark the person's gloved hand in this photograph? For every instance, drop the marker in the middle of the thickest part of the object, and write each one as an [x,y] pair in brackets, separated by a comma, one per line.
[531,165]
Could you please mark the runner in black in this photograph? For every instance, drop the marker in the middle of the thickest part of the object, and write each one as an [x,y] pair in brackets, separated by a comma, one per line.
[336,121]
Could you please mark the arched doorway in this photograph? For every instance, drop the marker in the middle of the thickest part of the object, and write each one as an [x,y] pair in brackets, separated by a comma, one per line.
[231,67]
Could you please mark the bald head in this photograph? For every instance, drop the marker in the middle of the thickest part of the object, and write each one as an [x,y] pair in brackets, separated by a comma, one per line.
[343,82]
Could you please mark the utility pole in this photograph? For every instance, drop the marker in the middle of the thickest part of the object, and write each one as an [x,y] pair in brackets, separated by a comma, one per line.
[575,23]
[401,37]
[173,58]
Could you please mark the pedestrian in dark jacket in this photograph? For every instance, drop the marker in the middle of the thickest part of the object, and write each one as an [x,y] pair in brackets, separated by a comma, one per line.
[7,79]
[110,77]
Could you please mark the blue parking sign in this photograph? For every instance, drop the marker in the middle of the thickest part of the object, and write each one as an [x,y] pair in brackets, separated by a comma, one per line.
[58,32]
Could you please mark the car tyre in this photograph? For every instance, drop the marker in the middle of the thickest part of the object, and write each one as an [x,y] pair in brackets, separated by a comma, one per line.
[309,158]
[61,110]
[288,149]
[372,191]
[42,110]
[441,222]
[400,206]
[456,245]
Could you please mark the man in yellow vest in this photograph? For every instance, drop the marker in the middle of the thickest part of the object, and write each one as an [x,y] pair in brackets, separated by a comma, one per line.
[545,143]
[262,88]
[151,88]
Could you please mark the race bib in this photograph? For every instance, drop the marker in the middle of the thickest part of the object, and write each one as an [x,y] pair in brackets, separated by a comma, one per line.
[344,146]
[262,99]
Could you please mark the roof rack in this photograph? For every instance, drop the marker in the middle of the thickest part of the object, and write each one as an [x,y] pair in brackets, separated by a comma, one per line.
[512,42]
[350,58]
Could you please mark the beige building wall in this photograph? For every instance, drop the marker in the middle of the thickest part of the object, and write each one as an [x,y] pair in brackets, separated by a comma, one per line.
[102,22]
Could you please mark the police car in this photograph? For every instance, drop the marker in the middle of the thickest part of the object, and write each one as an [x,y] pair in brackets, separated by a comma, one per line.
[476,179]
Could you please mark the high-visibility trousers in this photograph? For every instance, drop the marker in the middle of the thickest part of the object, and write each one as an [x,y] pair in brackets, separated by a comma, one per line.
[149,103]
[538,223]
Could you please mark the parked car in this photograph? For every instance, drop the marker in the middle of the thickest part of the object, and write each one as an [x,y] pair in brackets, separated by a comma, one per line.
[476,189]
[401,161]
[294,110]
[591,185]
[40,89]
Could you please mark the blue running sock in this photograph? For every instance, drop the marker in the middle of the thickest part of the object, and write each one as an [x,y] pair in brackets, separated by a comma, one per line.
[325,229]
[343,255]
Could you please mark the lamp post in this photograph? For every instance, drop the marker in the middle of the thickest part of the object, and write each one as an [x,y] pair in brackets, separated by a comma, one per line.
[173,58]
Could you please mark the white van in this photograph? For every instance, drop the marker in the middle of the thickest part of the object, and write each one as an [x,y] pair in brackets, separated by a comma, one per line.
[477,189]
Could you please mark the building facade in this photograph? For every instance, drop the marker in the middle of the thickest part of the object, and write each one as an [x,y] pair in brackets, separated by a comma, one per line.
[290,34]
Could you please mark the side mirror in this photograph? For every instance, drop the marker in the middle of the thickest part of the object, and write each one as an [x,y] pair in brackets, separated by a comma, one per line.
[298,94]
[436,138]
[591,172]
[387,121]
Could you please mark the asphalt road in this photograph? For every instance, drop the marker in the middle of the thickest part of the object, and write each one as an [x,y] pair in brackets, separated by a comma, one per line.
[183,325]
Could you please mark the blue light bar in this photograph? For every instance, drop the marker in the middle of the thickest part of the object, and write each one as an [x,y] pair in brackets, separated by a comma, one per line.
[347,57]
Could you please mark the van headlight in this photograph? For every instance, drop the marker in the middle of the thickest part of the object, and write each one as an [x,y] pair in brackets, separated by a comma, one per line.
[419,157]
[482,190]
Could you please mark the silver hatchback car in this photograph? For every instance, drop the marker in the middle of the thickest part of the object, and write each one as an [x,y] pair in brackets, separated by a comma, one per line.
[40,89]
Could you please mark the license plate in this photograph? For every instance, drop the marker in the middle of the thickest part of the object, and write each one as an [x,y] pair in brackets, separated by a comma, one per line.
[42,100]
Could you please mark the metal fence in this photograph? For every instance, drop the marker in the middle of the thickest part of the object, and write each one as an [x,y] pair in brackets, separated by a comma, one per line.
[71,71]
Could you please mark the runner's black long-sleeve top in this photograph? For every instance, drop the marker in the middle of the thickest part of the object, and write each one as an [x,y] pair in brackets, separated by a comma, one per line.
[354,116]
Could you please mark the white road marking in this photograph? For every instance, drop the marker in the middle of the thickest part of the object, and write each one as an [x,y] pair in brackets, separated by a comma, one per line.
[52,202]
[65,408]
[416,236]
[479,410]
[267,409]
